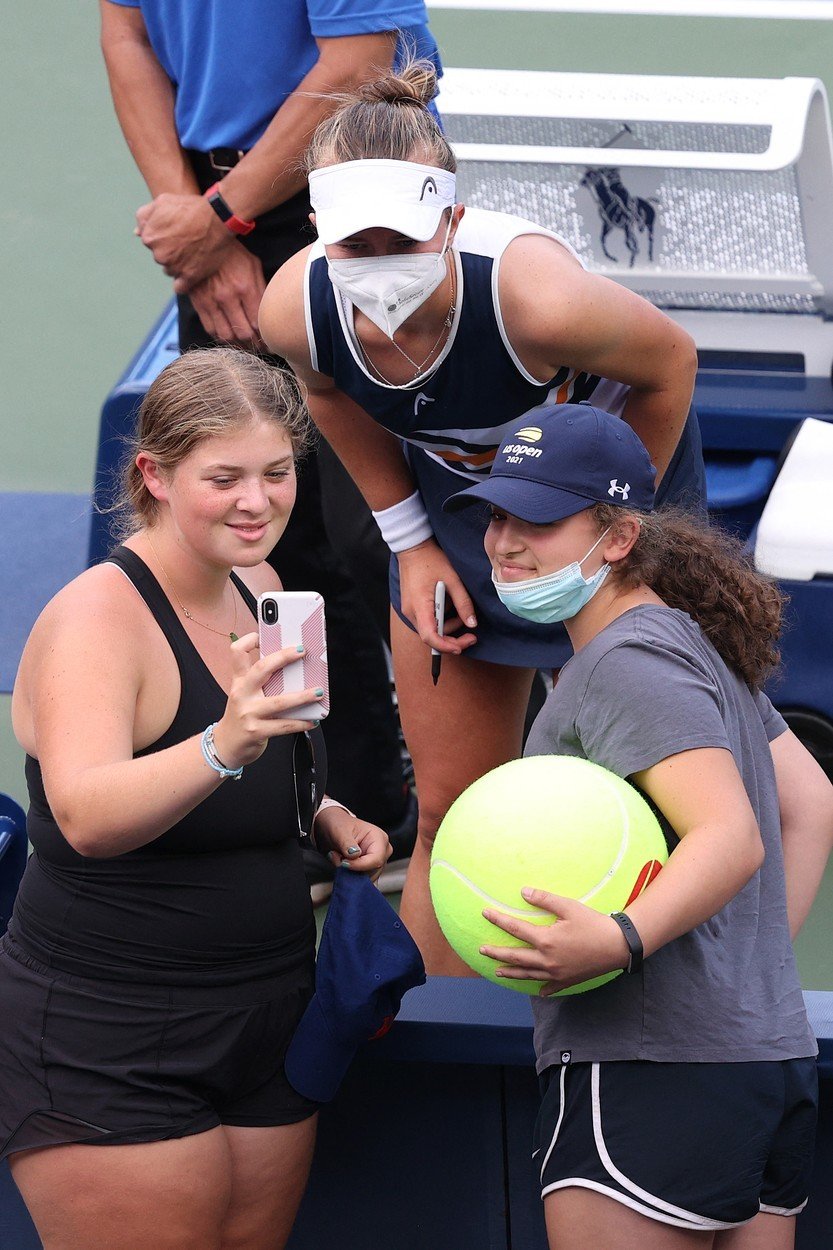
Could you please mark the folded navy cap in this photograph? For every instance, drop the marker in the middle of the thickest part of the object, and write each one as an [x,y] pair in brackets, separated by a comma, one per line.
[366,961]
[556,460]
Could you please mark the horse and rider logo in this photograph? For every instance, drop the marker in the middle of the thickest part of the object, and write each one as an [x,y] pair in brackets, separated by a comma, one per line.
[620,210]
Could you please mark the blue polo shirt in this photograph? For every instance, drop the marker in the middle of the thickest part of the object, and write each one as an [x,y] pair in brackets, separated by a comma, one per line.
[234,62]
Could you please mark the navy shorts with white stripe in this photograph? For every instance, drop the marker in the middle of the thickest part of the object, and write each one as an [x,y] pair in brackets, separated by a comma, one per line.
[697,1145]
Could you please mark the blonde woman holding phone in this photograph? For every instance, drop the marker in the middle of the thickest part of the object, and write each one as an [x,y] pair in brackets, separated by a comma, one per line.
[162,944]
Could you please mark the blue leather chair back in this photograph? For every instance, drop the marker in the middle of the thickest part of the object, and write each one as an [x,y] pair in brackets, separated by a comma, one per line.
[13,854]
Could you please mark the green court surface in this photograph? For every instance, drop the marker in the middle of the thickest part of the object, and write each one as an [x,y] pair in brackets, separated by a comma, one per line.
[80,292]
[623,43]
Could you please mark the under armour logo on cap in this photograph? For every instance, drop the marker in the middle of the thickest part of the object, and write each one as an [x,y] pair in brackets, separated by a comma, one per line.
[616,489]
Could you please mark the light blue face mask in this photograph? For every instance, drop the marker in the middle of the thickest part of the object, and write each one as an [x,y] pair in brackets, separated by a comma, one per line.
[557,596]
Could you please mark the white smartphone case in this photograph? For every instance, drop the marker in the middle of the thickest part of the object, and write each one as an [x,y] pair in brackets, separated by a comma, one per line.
[300,621]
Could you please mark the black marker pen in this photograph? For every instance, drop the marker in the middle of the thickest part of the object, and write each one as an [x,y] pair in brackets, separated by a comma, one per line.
[439,618]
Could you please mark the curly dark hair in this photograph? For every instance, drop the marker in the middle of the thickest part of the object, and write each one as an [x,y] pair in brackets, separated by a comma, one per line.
[704,571]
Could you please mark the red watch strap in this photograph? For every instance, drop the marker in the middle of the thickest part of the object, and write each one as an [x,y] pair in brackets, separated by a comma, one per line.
[237,225]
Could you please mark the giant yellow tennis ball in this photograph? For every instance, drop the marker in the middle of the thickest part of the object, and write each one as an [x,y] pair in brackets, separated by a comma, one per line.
[549,821]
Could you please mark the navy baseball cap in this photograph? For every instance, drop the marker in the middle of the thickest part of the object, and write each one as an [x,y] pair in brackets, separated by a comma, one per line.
[556,460]
[366,961]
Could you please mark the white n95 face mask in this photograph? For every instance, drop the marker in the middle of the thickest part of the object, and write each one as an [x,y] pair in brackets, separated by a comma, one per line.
[388,289]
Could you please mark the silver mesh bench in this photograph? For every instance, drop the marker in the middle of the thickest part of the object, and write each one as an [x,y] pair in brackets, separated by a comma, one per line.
[712,197]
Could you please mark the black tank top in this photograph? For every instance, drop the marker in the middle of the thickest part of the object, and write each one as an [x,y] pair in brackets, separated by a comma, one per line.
[220,896]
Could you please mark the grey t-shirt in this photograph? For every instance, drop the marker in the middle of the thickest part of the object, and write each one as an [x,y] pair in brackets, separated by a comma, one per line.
[648,686]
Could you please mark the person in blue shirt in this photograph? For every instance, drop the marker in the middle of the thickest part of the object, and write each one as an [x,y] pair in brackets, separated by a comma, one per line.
[211,93]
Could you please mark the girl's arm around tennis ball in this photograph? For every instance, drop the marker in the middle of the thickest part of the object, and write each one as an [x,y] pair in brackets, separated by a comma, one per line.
[702,795]
[805,797]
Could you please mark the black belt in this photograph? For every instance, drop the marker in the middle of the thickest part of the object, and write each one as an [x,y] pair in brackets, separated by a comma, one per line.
[210,167]
[216,162]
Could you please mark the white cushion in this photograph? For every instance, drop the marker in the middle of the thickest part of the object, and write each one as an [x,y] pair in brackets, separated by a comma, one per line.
[795,532]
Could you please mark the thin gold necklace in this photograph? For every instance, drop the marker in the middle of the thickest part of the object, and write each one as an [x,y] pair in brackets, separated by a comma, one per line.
[223,633]
[418,368]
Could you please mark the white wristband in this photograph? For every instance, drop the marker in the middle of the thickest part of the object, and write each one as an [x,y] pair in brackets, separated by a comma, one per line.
[322,807]
[327,802]
[404,525]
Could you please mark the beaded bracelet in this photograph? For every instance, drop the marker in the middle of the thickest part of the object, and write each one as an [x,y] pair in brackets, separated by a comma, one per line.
[212,759]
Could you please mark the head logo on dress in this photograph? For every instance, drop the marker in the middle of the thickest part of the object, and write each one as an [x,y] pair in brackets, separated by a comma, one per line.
[429,185]
[616,489]
[530,434]
[421,398]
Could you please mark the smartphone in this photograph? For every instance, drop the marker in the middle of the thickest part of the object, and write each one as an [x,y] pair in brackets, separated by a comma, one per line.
[292,618]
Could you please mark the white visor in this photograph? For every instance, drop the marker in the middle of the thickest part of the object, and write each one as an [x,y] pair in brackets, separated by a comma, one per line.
[400,195]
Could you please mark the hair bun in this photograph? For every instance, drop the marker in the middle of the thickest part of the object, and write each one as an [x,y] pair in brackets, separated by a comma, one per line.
[386,119]
[414,83]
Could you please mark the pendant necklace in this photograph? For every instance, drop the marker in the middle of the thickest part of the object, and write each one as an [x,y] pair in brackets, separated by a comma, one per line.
[223,633]
[418,368]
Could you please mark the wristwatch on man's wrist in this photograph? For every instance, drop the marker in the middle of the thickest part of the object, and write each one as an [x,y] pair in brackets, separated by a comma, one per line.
[237,225]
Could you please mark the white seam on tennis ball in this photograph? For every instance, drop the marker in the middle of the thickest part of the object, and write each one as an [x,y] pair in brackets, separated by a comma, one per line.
[520,912]
[536,911]
[623,845]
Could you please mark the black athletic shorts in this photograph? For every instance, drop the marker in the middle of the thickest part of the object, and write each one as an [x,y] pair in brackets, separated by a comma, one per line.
[110,1063]
[697,1145]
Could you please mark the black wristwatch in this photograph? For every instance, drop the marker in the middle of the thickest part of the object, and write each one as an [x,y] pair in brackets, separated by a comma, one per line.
[233,223]
[632,938]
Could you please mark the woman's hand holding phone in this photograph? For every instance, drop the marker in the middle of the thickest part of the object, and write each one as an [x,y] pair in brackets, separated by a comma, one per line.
[251,718]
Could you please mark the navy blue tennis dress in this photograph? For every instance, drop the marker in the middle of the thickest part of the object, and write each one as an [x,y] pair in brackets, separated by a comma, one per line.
[449,419]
